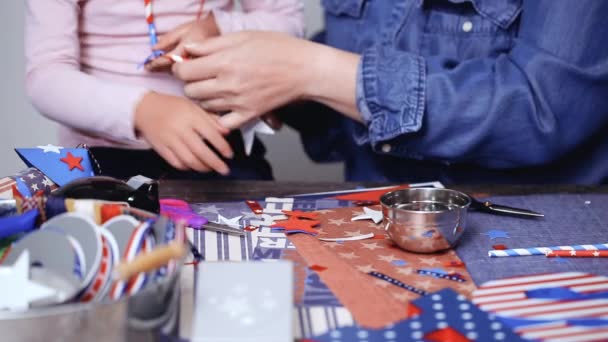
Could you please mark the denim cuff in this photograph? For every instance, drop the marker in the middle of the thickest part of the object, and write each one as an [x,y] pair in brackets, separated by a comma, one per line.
[393,94]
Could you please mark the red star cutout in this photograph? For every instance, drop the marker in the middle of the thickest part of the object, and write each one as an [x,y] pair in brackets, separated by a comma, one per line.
[369,196]
[73,162]
[446,335]
[295,225]
[301,214]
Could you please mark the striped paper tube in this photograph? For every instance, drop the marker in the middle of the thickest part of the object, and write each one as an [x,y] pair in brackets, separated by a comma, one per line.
[578,254]
[544,250]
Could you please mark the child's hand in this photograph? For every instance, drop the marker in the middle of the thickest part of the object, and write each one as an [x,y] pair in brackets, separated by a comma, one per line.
[176,127]
[173,42]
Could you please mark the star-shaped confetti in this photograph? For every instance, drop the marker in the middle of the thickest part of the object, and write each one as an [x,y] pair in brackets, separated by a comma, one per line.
[295,225]
[369,214]
[495,234]
[232,222]
[302,214]
[17,291]
[50,148]
[249,130]
[72,161]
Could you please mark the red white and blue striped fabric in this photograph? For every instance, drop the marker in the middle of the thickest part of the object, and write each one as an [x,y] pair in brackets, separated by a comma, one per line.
[579,318]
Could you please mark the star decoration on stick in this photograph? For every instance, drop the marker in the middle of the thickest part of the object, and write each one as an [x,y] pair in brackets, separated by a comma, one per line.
[369,214]
[249,130]
[17,291]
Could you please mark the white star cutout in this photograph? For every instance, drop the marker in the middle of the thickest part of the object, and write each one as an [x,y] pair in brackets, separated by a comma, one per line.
[573,252]
[596,254]
[16,289]
[34,186]
[31,176]
[370,245]
[249,130]
[338,222]
[387,258]
[233,222]
[369,214]
[366,268]
[50,148]
[348,256]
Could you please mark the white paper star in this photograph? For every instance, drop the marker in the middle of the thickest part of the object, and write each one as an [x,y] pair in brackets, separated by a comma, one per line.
[50,148]
[16,289]
[249,130]
[233,222]
[596,254]
[369,214]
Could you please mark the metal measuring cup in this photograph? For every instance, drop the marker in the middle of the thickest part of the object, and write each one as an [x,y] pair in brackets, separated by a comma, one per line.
[425,220]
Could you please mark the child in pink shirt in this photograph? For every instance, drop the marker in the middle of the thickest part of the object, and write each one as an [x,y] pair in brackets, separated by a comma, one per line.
[82,71]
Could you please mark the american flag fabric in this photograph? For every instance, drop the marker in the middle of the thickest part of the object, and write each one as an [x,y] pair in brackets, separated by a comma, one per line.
[581,314]
[31,181]
[6,187]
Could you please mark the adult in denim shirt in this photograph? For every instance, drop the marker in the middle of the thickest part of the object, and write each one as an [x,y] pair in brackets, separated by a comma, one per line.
[458,90]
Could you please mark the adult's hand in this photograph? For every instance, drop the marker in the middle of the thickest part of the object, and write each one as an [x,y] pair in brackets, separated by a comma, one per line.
[173,42]
[251,73]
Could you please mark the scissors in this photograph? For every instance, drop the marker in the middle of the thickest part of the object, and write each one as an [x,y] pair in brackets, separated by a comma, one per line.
[491,208]
[178,209]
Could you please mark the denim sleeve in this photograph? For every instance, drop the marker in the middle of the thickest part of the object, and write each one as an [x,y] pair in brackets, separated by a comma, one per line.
[544,98]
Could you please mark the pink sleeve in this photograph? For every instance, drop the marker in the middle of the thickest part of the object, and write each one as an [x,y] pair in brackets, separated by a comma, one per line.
[269,15]
[57,87]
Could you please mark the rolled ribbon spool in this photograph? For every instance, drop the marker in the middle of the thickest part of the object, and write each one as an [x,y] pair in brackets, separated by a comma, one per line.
[152,260]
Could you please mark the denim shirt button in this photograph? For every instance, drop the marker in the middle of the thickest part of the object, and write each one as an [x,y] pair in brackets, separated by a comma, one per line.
[467,26]
[386,148]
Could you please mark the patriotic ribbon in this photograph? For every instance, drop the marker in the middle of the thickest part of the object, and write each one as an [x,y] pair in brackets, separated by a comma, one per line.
[544,250]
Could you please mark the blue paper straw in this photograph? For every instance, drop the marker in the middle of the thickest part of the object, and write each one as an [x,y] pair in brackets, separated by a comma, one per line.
[544,250]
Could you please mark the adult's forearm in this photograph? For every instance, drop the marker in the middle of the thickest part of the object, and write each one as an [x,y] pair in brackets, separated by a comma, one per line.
[332,79]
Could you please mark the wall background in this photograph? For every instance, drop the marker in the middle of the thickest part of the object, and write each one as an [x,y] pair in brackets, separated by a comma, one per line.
[22,126]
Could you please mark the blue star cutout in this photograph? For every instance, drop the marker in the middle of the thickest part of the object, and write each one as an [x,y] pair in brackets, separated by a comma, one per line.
[495,234]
